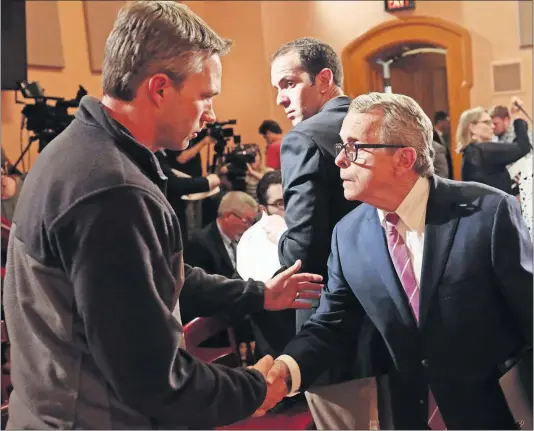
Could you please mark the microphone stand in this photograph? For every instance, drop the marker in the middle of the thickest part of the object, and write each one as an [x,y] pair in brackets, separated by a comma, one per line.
[523,111]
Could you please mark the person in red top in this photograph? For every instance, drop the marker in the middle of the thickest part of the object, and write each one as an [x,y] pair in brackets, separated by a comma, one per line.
[272,133]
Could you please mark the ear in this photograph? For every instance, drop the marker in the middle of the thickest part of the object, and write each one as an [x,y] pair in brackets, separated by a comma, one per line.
[404,159]
[324,79]
[158,87]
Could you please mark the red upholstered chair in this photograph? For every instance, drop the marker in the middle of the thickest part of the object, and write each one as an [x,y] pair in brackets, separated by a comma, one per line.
[201,329]
[297,417]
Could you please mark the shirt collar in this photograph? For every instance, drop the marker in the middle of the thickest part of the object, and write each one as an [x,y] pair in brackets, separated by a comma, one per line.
[224,237]
[412,210]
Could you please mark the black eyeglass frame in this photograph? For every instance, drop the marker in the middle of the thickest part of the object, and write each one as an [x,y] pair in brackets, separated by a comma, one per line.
[276,204]
[352,156]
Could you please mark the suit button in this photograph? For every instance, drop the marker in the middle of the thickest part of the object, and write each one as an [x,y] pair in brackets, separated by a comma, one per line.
[424,363]
[421,402]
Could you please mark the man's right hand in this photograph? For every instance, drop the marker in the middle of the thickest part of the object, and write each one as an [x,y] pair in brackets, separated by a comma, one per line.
[213,180]
[514,110]
[277,389]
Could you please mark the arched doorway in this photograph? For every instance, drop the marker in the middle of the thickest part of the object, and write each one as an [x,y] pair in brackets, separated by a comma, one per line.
[360,78]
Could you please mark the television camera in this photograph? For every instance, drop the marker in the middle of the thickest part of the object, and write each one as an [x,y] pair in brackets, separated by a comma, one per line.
[45,120]
[235,160]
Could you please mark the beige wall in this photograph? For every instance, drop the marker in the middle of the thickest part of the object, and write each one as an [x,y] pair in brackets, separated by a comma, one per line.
[257,28]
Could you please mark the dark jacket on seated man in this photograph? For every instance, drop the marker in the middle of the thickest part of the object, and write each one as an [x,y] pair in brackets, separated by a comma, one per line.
[207,251]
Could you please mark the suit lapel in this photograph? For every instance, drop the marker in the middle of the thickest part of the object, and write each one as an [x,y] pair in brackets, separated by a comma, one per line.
[442,217]
[377,248]
[219,246]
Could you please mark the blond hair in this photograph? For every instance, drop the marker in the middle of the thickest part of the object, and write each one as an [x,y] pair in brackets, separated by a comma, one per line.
[156,36]
[235,201]
[404,122]
[463,134]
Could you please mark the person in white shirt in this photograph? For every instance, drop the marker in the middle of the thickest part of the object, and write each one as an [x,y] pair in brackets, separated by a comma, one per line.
[442,268]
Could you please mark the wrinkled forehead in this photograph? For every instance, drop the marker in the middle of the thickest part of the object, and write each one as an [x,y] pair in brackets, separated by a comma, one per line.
[363,127]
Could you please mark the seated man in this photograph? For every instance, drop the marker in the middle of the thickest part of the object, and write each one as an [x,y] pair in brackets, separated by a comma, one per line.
[257,258]
[270,195]
[214,247]
[214,250]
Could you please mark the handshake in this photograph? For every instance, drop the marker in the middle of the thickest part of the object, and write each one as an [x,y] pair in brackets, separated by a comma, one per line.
[276,373]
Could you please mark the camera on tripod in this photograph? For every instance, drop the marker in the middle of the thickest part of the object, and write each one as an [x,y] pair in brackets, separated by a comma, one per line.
[235,160]
[46,121]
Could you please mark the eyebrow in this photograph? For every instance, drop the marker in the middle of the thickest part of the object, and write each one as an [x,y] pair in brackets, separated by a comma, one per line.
[285,79]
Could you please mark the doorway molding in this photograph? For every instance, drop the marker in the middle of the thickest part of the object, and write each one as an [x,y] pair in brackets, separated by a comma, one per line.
[416,29]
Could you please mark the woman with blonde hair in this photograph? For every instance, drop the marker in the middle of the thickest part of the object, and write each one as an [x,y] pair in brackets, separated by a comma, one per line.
[485,161]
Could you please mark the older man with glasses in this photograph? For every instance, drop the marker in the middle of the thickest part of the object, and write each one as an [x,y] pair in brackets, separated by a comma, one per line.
[214,247]
[442,268]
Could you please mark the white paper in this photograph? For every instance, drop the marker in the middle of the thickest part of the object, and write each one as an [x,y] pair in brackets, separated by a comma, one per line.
[257,256]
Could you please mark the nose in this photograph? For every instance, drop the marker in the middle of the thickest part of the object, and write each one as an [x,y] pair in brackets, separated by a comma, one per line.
[281,99]
[342,161]
[209,116]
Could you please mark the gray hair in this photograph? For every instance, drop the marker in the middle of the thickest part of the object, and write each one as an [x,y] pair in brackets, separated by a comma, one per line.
[404,122]
[235,201]
[156,36]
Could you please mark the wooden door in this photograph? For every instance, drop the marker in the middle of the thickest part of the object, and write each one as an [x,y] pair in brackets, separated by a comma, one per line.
[423,77]
[415,30]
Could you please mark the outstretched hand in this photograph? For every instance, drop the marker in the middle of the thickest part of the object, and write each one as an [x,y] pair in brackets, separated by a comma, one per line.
[291,290]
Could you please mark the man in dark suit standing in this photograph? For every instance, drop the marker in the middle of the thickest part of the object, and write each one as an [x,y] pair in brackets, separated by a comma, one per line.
[441,135]
[308,76]
[442,268]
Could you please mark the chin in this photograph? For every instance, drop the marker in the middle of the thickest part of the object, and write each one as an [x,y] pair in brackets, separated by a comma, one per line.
[351,195]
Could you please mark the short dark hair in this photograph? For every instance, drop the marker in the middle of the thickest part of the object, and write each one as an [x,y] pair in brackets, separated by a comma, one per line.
[270,178]
[269,126]
[440,116]
[315,55]
[499,111]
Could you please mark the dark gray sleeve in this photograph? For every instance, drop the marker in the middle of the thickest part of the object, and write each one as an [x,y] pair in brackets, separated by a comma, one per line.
[306,205]
[119,251]
[215,295]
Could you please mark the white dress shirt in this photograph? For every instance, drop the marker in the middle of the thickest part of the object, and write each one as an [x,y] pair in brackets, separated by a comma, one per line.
[411,226]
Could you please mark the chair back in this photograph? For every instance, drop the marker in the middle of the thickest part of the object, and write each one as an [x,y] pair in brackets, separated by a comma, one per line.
[200,330]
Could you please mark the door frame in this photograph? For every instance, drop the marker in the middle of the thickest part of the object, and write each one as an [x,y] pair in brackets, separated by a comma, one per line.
[358,76]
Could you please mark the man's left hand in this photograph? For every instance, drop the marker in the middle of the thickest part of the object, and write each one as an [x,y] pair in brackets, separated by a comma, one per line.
[291,290]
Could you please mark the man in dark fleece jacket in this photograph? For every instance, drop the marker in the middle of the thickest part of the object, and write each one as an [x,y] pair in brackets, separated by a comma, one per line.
[95,264]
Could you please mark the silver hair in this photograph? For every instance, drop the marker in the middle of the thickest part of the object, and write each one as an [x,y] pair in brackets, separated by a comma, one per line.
[404,122]
[156,36]
[235,201]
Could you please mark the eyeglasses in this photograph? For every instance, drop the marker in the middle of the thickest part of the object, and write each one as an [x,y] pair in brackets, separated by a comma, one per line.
[351,148]
[278,204]
[245,220]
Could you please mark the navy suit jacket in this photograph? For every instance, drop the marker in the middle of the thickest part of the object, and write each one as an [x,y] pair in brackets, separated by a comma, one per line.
[475,306]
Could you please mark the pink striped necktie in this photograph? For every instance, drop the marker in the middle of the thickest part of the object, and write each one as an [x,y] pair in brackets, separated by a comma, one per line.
[401,261]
